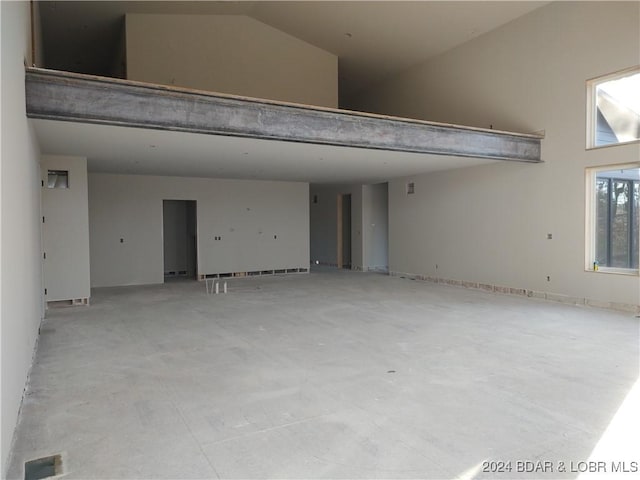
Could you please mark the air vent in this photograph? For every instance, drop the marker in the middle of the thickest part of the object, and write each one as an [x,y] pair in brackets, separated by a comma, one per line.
[411,188]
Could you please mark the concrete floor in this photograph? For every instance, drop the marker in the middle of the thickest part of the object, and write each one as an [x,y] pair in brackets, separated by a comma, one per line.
[333,374]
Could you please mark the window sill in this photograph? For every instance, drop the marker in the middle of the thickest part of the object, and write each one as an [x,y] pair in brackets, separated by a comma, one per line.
[615,271]
[609,145]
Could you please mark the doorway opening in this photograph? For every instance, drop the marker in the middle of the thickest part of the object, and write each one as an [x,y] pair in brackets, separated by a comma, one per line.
[179,228]
[344,231]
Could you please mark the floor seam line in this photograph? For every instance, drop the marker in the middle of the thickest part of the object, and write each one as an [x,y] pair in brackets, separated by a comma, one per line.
[268,429]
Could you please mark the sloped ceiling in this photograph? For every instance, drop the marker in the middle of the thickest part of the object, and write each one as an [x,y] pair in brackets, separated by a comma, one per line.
[372,39]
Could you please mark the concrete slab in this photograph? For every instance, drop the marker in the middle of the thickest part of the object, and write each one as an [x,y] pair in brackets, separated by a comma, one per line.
[334,374]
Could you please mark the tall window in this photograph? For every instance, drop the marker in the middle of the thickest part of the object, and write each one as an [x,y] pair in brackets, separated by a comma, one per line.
[614,108]
[614,218]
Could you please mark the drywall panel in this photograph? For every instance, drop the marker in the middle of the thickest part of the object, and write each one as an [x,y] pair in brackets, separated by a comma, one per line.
[324,223]
[261,225]
[490,224]
[375,218]
[21,299]
[230,54]
[118,68]
[192,238]
[65,230]
[346,230]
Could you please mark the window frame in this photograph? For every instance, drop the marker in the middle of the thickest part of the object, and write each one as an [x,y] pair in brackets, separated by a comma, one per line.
[591,85]
[590,220]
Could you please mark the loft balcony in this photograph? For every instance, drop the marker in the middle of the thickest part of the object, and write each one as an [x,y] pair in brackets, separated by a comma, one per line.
[417,146]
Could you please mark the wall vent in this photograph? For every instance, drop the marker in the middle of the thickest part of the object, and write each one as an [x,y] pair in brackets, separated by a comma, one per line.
[411,188]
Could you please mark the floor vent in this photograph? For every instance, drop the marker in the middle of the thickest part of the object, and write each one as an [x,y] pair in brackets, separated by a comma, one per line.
[45,467]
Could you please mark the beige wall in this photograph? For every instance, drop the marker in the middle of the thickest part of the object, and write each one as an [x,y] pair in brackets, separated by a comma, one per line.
[246,214]
[375,220]
[229,54]
[490,223]
[21,299]
[65,232]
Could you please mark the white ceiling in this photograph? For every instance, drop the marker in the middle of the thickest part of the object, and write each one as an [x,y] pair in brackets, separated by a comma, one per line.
[373,39]
[112,149]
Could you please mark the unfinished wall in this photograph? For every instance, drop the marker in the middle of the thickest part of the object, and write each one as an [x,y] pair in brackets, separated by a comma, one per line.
[21,299]
[369,219]
[38,51]
[65,230]
[247,215]
[375,232]
[490,224]
[118,67]
[324,223]
[230,54]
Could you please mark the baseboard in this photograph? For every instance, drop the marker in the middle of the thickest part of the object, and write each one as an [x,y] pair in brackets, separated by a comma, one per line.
[523,292]
[255,273]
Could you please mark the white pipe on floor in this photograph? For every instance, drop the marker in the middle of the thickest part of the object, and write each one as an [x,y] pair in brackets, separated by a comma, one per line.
[225,287]
[217,287]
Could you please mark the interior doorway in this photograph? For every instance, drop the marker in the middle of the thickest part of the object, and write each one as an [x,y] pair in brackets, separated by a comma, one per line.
[179,228]
[344,231]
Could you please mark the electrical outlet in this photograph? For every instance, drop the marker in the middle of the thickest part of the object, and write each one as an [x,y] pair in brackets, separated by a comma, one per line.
[549,236]
[548,278]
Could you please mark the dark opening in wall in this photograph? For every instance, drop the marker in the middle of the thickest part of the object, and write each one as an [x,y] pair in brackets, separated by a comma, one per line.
[44,467]
[411,188]
[58,179]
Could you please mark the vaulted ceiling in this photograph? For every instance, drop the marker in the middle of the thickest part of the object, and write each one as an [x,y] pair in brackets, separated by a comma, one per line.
[371,39]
